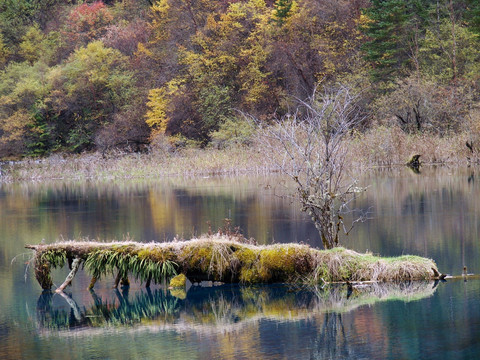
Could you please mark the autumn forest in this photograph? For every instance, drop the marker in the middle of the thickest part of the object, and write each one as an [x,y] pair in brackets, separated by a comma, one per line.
[81,76]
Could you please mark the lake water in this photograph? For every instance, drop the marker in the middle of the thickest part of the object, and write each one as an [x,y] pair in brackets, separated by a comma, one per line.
[434,214]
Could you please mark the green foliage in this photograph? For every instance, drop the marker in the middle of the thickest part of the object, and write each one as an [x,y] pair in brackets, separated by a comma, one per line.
[94,84]
[214,106]
[31,48]
[437,52]
[472,15]
[392,28]
[4,52]
[56,258]
[36,45]
[85,75]
[122,260]
[233,131]
[16,15]
[282,10]
[41,139]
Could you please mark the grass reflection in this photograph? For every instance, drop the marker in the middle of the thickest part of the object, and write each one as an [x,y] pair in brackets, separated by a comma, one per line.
[214,310]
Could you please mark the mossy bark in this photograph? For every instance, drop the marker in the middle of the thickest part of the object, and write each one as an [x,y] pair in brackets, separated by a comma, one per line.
[42,274]
[220,258]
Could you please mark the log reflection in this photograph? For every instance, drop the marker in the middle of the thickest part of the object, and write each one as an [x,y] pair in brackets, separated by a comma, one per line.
[219,309]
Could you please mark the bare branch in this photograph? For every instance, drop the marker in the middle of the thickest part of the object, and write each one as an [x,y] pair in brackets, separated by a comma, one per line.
[308,146]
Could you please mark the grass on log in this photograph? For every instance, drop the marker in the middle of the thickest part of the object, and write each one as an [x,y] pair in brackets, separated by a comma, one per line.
[227,259]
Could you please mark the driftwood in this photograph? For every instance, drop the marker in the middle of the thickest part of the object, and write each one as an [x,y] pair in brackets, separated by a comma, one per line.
[438,275]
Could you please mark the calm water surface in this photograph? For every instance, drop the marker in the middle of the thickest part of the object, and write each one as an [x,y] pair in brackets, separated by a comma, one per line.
[434,214]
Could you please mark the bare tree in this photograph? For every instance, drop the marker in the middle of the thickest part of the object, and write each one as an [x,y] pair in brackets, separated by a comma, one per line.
[309,147]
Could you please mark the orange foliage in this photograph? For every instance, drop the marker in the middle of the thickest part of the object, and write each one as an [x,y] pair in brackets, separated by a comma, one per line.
[87,22]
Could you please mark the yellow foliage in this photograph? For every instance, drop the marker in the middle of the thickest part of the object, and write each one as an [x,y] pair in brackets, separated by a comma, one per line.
[178,281]
[179,293]
[252,76]
[160,15]
[14,127]
[31,47]
[142,49]
[364,20]
[156,116]
[159,104]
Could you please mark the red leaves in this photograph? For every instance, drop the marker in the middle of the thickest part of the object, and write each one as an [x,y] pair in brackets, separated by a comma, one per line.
[88,21]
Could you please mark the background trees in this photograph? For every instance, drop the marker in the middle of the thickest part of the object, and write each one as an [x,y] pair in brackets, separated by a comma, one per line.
[118,72]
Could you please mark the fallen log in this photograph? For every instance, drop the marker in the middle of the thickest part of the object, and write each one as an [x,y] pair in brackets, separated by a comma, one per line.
[225,259]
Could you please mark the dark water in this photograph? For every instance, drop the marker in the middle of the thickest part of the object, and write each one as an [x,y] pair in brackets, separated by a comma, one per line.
[434,214]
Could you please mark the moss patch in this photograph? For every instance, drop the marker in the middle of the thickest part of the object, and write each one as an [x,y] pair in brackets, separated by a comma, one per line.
[179,281]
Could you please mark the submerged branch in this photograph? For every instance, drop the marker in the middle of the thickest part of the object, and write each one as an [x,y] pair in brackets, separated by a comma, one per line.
[70,276]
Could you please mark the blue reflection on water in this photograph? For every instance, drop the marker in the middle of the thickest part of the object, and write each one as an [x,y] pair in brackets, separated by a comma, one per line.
[428,321]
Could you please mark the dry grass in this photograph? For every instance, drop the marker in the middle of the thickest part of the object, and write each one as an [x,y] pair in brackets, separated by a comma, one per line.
[381,146]
[118,165]
[340,264]
[387,146]
[223,258]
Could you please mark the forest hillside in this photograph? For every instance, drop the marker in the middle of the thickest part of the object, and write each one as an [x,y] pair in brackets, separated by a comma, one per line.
[78,76]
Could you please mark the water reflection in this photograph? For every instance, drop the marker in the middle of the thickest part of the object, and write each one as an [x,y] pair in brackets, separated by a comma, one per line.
[434,214]
[219,309]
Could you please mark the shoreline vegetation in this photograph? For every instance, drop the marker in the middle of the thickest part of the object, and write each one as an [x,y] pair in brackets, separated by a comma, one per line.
[120,77]
[385,146]
[223,258]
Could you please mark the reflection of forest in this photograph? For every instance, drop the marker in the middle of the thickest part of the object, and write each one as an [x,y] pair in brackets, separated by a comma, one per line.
[435,214]
[147,211]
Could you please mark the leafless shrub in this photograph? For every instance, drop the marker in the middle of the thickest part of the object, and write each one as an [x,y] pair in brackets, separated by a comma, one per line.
[309,147]
[126,37]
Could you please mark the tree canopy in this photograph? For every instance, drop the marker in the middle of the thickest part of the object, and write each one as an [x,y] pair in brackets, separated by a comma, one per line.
[90,75]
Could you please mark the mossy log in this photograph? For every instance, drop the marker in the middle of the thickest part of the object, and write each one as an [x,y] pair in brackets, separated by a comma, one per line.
[225,259]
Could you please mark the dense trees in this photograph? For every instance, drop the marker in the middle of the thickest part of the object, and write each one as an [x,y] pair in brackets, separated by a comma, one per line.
[83,75]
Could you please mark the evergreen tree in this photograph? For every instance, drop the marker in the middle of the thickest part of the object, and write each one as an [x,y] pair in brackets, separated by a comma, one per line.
[282,10]
[393,28]
[472,15]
